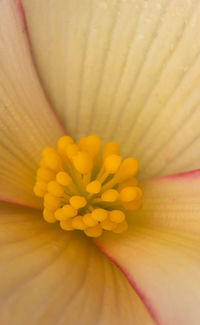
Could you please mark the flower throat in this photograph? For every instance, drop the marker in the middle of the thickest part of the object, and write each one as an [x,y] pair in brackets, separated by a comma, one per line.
[87,190]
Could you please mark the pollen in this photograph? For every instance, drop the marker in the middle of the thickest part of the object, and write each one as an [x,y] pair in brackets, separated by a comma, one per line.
[87,189]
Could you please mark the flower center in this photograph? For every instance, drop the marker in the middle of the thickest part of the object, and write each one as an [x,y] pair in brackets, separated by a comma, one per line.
[85,190]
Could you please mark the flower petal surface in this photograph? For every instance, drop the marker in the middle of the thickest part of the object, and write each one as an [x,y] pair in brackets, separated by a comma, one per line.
[125,70]
[27,121]
[50,277]
[160,253]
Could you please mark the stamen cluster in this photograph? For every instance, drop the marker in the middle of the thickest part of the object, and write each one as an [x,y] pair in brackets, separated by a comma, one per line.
[87,191]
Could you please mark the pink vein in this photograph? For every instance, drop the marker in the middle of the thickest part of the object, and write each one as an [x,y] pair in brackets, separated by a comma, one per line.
[133,284]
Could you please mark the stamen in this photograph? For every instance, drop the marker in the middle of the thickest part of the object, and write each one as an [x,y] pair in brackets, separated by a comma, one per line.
[93,231]
[93,187]
[63,143]
[99,214]
[45,174]
[121,227]
[83,162]
[112,163]
[52,201]
[84,192]
[128,194]
[117,216]
[78,223]
[55,189]
[49,216]
[78,202]
[71,150]
[89,220]
[108,224]
[110,148]
[129,182]
[38,192]
[128,169]
[63,178]
[110,195]
[52,161]
[91,145]
[67,224]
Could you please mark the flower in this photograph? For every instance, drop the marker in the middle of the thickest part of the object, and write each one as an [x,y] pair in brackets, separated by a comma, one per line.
[127,71]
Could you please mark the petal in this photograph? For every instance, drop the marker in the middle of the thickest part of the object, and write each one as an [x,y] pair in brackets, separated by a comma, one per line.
[127,71]
[48,276]
[27,121]
[160,253]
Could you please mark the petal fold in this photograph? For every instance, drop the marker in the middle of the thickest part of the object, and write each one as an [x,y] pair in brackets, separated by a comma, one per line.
[27,123]
[160,253]
[127,71]
[48,276]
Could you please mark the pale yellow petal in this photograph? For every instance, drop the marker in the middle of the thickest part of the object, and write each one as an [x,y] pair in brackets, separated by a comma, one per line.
[27,122]
[160,252]
[125,70]
[49,276]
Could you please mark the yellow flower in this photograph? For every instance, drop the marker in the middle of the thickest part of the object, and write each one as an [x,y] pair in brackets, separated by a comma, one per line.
[127,71]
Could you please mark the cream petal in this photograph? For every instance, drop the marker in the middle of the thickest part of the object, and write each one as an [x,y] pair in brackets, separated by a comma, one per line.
[125,70]
[27,122]
[160,253]
[49,276]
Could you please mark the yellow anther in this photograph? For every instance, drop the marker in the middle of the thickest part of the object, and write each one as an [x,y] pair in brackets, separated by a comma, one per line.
[121,227]
[117,216]
[42,162]
[83,162]
[110,196]
[48,150]
[49,207]
[110,148]
[67,224]
[139,193]
[45,174]
[59,215]
[128,194]
[63,178]
[133,206]
[38,191]
[53,161]
[108,224]
[128,169]
[129,182]
[69,211]
[71,150]
[99,214]
[49,216]
[55,189]
[93,187]
[78,223]
[42,185]
[77,202]
[112,163]
[91,145]
[52,201]
[93,231]
[63,143]
[89,220]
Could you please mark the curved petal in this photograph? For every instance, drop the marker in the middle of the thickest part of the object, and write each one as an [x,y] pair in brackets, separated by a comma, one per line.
[160,253]
[127,71]
[27,121]
[48,276]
